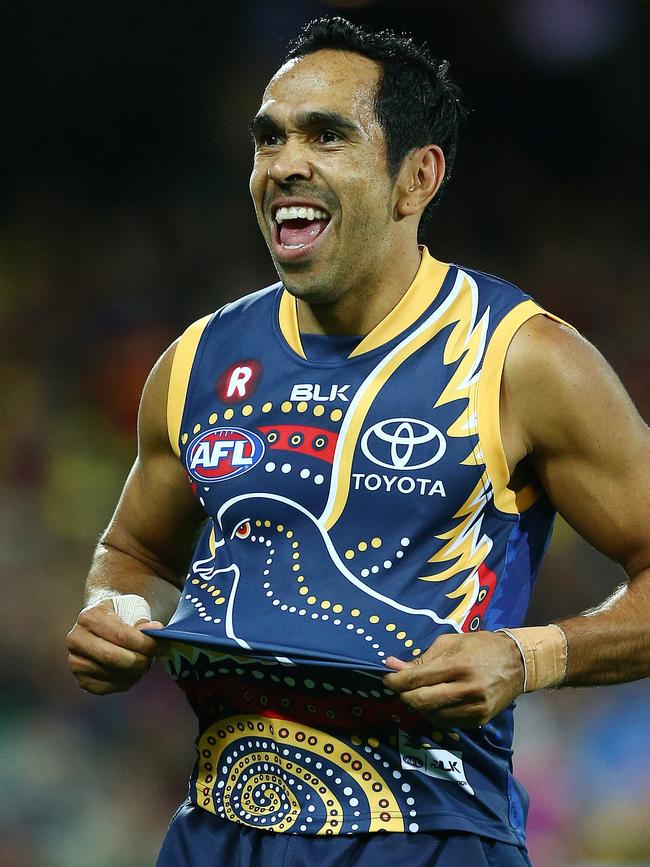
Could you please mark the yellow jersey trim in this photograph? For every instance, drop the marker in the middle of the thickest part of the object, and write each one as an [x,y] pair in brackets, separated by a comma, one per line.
[179,379]
[288,320]
[417,298]
[488,410]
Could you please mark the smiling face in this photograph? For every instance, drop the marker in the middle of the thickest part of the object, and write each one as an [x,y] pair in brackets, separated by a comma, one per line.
[320,183]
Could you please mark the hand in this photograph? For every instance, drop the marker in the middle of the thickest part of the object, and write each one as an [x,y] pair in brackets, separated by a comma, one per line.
[106,655]
[461,681]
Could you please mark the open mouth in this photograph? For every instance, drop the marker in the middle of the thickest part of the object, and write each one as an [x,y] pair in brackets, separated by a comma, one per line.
[297,229]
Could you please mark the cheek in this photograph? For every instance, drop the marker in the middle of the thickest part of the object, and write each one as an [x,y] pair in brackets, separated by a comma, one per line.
[256,184]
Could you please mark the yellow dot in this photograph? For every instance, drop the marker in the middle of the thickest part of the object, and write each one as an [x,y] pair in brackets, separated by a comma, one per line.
[216,592]
[454,735]
[247,410]
[325,604]
[211,588]
[286,406]
[300,579]
[303,591]
[401,635]
[296,567]
[390,627]
[416,652]
[280,528]
[267,523]
[374,619]
[362,546]
[311,600]
[408,643]
[437,736]
[302,406]
[349,554]
[220,601]
[336,414]
[376,542]
[213,417]
[267,407]
[356,740]
[295,544]
[289,534]
[197,428]
[184,438]
[337,608]
[229,413]
[319,409]
[196,580]
[355,612]
[203,586]
[296,555]
[258,523]
[373,742]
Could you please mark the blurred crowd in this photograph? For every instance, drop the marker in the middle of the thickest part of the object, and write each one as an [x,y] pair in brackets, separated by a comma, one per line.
[125,215]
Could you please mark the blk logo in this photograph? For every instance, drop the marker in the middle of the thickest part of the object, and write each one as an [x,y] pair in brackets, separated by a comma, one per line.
[309,391]
[239,381]
[223,453]
[403,444]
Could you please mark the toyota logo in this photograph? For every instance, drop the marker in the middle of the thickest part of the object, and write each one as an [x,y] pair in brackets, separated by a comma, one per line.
[392,443]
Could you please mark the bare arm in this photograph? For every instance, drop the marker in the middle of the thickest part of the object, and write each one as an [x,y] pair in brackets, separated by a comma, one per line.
[591,451]
[144,551]
[566,417]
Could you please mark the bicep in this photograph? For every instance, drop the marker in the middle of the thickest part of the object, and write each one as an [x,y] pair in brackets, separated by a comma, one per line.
[157,519]
[587,442]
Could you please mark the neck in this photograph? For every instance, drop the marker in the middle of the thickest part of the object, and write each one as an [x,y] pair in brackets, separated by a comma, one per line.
[358,310]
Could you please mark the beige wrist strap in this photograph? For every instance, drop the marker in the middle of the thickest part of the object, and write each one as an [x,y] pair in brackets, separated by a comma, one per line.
[543,652]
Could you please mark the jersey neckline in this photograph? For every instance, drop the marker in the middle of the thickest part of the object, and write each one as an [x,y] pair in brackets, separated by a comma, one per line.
[416,300]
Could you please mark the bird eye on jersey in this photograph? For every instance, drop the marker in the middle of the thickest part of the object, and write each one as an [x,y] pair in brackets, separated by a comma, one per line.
[242,530]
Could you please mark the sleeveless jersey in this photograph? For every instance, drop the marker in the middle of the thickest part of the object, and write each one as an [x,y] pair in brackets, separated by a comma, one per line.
[356,509]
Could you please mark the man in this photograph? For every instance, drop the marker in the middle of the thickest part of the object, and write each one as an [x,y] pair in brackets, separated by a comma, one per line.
[379,443]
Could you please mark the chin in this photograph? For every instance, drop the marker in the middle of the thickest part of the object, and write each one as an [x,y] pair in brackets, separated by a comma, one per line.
[316,289]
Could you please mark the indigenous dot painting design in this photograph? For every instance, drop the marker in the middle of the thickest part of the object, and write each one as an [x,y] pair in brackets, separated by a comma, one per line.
[266,761]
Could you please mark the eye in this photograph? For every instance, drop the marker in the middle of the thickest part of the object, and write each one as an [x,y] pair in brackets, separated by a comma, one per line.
[328,136]
[242,530]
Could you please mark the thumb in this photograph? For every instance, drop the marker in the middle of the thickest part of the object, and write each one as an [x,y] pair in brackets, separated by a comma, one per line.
[398,664]
[148,624]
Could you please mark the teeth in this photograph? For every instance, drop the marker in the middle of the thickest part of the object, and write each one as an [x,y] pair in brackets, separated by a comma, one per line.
[294,213]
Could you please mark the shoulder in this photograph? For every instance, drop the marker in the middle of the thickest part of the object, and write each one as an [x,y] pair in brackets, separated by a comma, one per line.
[249,303]
[555,381]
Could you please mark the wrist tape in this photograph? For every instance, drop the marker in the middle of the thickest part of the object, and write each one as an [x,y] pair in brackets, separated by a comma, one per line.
[131,608]
[543,652]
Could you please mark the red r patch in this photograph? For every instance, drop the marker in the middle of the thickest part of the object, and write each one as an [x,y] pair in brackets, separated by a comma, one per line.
[239,381]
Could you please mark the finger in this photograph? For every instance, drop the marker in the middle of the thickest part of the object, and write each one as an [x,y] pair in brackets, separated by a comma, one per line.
[111,656]
[446,704]
[107,625]
[101,687]
[397,664]
[148,624]
[81,666]
[427,672]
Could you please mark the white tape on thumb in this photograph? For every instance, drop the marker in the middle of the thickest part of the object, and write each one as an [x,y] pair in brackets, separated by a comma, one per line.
[131,608]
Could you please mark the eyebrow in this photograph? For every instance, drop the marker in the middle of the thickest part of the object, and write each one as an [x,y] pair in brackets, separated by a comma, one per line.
[263,123]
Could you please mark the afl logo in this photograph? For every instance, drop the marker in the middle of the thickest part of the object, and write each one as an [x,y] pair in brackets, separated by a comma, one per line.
[223,453]
[403,444]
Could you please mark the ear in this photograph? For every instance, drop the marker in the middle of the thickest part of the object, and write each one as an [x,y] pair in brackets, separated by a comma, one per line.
[419,180]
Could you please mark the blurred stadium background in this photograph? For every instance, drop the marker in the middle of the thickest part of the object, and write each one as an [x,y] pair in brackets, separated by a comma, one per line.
[125,215]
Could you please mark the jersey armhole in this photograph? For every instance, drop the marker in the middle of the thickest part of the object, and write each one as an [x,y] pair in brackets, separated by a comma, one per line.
[179,379]
[488,410]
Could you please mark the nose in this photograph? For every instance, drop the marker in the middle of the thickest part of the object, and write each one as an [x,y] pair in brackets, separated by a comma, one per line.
[290,163]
